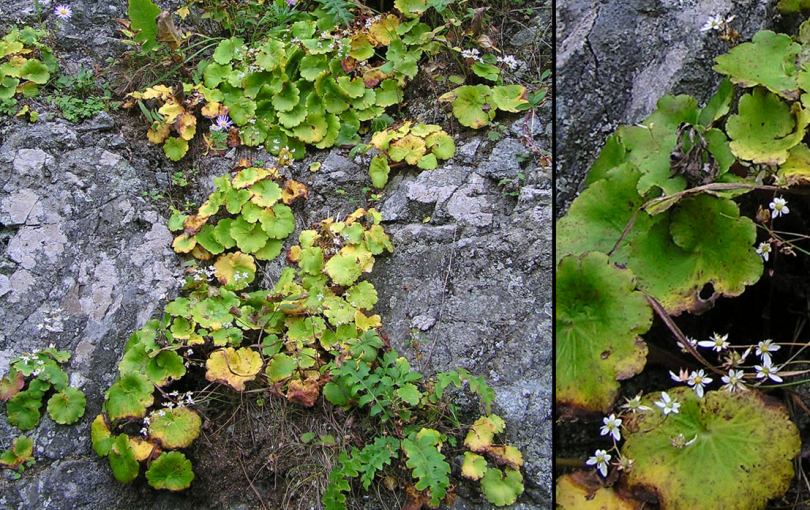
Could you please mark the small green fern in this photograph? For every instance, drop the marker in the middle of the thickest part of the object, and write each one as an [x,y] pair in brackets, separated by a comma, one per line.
[428,465]
[338,10]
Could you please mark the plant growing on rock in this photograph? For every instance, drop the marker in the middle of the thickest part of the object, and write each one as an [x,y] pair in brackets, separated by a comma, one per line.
[421,145]
[26,64]
[657,229]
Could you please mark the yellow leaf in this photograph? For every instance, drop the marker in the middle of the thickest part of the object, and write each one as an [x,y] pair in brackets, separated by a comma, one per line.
[158,132]
[227,266]
[479,438]
[183,243]
[157,92]
[170,110]
[186,125]
[183,12]
[365,323]
[382,32]
[142,449]
[233,367]
[293,190]
[211,109]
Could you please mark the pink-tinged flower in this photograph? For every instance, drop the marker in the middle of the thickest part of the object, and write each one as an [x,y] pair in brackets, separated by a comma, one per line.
[63,12]
[222,123]
[291,3]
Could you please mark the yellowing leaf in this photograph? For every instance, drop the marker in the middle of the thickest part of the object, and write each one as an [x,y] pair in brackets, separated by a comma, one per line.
[293,190]
[186,125]
[170,111]
[233,367]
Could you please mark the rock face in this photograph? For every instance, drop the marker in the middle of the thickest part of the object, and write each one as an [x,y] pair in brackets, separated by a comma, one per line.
[615,58]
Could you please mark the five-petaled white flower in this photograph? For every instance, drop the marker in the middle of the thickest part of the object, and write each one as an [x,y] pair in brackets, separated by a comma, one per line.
[222,123]
[778,207]
[63,12]
[611,426]
[667,405]
[765,348]
[733,381]
[600,459]
[713,23]
[691,341]
[697,380]
[764,250]
[767,370]
[717,343]
[634,404]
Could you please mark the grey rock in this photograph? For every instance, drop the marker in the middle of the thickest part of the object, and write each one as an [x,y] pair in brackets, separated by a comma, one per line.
[615,58]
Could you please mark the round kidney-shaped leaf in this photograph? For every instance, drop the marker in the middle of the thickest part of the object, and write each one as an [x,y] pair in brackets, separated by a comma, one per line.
[171,471]
[124,465]
[233,367]
[726,450]
[129,397]
[599,318]
[582,490]
[502,488]
[235,270]
[175,428]
[67,406]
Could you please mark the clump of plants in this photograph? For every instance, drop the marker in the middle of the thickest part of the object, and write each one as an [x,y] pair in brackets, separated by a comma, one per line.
[79,96]
[421,145]
[35,381]
[658,232]
[26,64]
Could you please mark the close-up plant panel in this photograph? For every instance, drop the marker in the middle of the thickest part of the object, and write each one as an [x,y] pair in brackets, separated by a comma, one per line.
[249,250]
[681,294]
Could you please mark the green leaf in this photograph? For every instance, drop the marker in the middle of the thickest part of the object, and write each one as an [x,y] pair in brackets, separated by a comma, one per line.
[175,148]
[287,99]
[143,21]
[279,224]
[165,367]
[100,436]
[374,457]
[765,128]
[739,454]
[409,393]
[281,367]
[228,49]
[796,170]
[235,270]
[718,105]
[486,71]
[312,66]
[768,60]
[378,171]
[441,145]
[175,428]
[67,406]
[468,105]
[343,269]
[22,411]
[35,71]
[474,466]
[311,261]
[703,240]
[428,465]
[502,488]
[124,466]
[362,295]
[171,471]
[599,318]
[265,193]
[249,237]
[129,397]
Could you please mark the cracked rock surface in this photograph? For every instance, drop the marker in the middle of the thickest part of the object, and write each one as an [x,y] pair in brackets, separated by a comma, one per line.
[615,58]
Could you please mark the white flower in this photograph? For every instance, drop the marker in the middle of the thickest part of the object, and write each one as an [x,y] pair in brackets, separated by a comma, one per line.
[600,459]
[161,413]
[697,380]
[680,377]
[717,343]
[778,207]
[667,405]
[691,341]
[189,352]
[611,426]
[733,381]
[713,23]
[765,348]
[764,250]
[509,61]
[473,54]
[143,431]
[63,12]
[766,370]
[634,404]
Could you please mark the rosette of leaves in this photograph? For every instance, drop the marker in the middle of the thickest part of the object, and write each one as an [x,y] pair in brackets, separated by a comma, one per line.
[25,63]
[583,490]
[304,86]
[475,106]
[21,451]
[254,217]
[726,450]
[501,483]
[33,376]
[599,318]
[421,145]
